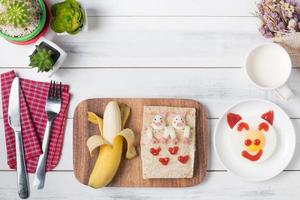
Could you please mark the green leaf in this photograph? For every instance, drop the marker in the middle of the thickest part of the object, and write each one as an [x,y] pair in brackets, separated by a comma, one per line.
[42,59]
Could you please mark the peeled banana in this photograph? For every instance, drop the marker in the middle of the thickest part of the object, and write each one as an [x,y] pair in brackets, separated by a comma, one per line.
[110,140]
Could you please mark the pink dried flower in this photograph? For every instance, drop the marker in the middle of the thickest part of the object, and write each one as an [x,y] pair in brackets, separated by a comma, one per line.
[280,26]
[278,17]
[269,35]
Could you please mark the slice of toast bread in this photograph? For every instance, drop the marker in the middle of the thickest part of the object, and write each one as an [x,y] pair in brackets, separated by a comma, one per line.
[166,158]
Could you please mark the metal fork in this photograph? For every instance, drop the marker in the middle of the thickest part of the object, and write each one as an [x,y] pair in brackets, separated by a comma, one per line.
[53,106]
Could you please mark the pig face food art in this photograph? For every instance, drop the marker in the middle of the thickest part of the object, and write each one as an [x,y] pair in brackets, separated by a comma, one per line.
[158,122]
[253,139]
[179,123]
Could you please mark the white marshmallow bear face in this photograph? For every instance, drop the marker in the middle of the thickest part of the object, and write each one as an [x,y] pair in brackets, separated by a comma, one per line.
[178,122]
[253,138]
[158,122]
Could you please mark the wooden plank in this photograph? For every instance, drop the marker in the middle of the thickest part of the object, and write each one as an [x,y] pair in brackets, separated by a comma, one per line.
[217,185]
[169,7]
[152,42]
[217,89]
[66,162]
[130,171]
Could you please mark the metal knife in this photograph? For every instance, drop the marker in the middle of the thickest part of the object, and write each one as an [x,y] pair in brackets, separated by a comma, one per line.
[14,120]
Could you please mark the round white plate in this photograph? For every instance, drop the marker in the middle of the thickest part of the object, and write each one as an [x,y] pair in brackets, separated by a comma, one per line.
[285,146]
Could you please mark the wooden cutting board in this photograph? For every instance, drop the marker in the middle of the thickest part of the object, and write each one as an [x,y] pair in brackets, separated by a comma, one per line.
[130,171]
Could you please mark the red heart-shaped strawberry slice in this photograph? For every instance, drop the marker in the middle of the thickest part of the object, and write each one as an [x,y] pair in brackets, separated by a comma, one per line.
[155,151]
[164,161]
[183,159]
[173,150]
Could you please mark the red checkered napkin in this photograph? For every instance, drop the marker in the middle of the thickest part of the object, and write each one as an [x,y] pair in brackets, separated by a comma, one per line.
[33,97]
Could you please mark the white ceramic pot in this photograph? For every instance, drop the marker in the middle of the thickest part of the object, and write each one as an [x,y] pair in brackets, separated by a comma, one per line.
[60,60]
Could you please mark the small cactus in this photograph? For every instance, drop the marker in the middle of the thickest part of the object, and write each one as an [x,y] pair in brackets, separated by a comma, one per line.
[4,2]
[16,13]
[2,19]
[42,59]
[2,15]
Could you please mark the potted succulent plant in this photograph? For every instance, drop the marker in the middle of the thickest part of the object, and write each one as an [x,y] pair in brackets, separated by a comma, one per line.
[47,57]
[68,17]
[21,20]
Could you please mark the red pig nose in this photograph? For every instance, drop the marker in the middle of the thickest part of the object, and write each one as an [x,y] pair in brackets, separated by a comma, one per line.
[248,142]
[257,142]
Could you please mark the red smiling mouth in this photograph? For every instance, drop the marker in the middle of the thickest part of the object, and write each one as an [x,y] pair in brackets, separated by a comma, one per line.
[255,157]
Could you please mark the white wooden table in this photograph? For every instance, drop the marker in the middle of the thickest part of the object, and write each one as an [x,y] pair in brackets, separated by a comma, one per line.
[159,48]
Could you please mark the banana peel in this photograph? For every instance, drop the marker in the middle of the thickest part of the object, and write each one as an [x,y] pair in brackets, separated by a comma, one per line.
[96,141]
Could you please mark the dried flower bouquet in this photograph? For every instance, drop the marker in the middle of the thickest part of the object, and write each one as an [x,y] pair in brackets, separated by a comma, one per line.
[280,20]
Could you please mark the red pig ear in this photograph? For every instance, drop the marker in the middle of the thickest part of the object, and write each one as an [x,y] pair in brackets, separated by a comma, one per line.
[233,119]
[268,116]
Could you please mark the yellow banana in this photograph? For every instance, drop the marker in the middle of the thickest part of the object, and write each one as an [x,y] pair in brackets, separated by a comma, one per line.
[110,141]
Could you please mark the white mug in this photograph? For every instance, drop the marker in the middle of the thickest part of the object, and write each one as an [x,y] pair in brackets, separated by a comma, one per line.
[268,67]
